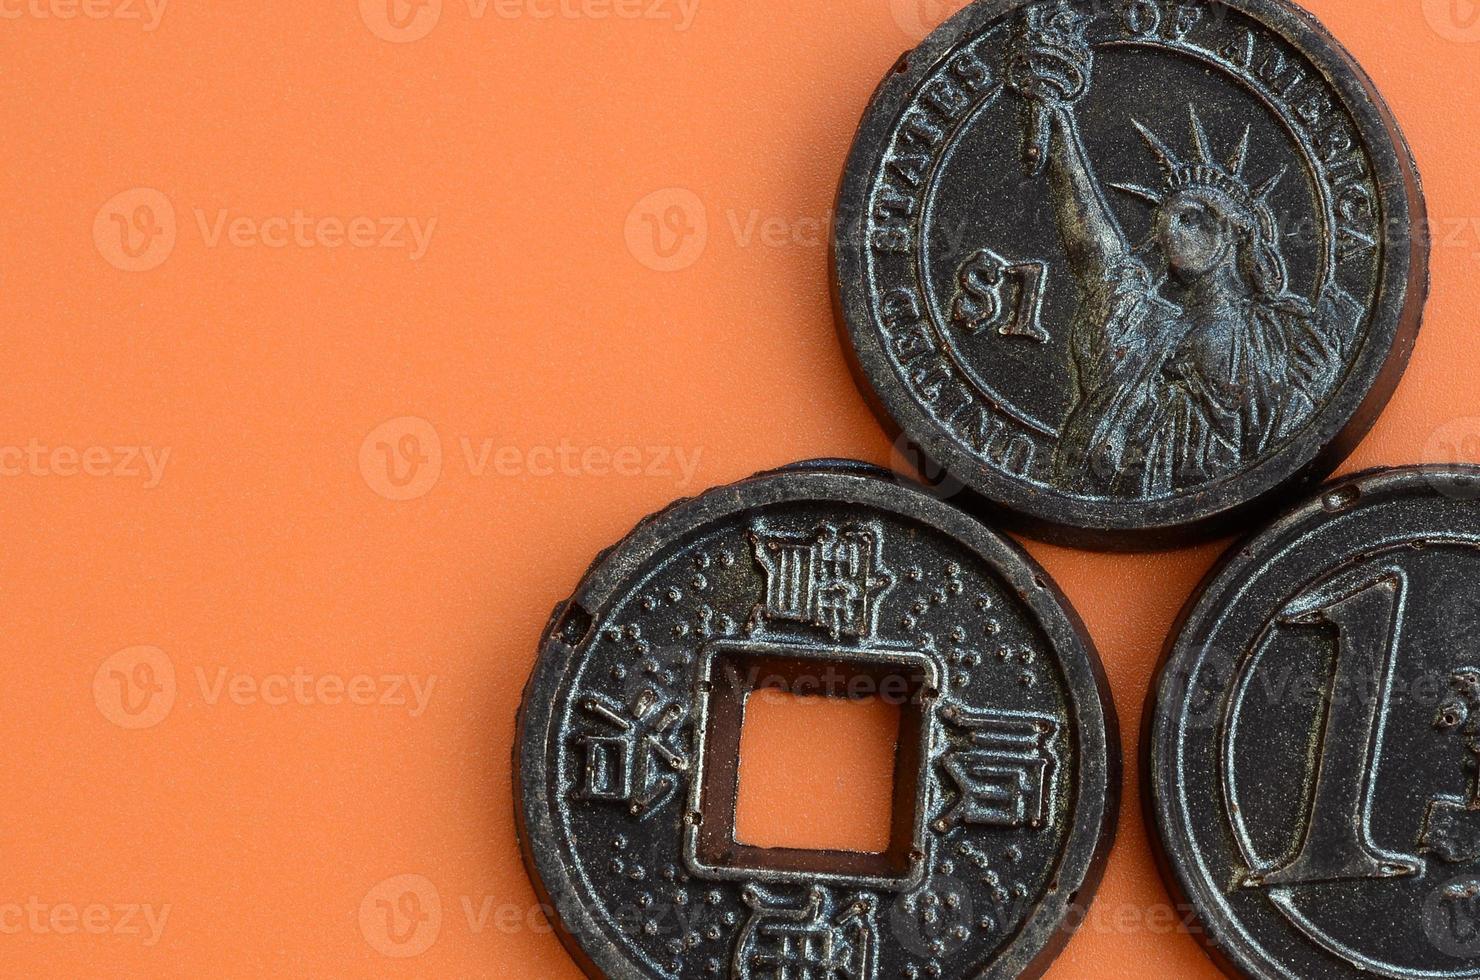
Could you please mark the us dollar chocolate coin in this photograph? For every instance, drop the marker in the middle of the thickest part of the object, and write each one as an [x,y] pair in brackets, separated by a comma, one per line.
[821,580]
[1314,734]
[1129,270]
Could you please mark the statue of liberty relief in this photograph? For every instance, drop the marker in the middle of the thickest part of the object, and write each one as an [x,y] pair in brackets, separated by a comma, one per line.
[1189,356]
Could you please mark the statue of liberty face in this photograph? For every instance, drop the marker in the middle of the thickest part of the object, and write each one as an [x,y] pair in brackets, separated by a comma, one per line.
[1206,206]
[1195,235]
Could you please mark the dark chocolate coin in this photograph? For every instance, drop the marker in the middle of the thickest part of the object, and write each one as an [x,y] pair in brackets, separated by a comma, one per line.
[1129,270]
[1313,737]
[825,579]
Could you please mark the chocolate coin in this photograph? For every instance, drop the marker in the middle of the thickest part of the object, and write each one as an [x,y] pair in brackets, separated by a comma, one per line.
[1129,270]
[826,579]
[1314,734]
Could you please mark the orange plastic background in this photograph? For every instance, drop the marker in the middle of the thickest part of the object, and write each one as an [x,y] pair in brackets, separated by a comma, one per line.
[175,638]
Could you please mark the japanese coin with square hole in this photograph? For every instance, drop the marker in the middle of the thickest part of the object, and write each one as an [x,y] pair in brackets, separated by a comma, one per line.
[830,580]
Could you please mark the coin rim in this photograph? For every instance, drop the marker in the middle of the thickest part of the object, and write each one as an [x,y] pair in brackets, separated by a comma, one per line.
[1082,859]
[1217,933]
[1043,512]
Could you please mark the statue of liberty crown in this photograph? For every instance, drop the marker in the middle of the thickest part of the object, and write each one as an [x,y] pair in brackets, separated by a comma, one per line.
[1205,172]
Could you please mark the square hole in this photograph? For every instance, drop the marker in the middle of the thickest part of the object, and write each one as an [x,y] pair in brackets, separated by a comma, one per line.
[881,847]
[817,773]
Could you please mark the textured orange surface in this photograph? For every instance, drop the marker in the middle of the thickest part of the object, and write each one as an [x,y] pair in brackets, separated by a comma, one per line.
[817,773]
[558,270]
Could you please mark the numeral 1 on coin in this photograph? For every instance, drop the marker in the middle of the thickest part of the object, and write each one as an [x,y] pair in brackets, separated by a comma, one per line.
[1336,841]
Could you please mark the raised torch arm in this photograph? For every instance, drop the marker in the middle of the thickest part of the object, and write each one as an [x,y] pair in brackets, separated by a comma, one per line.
[1050,68]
